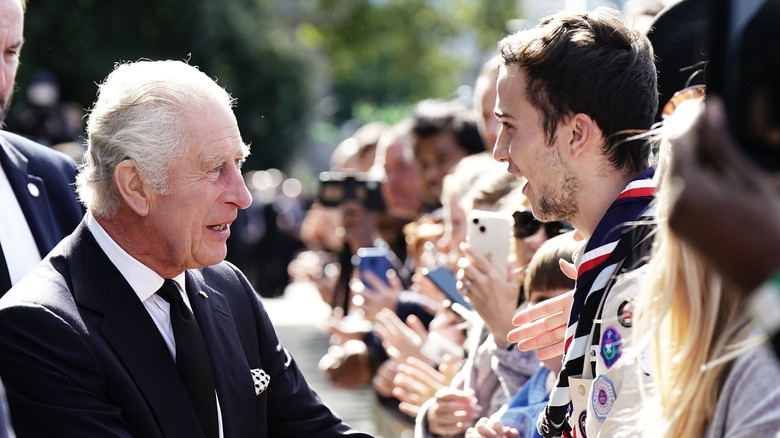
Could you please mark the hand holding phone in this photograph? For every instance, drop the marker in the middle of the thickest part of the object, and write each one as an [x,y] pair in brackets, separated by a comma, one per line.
[375,260]
[445,280]
[488,233]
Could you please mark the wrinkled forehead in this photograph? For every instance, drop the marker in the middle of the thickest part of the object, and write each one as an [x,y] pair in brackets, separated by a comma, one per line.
[11,22]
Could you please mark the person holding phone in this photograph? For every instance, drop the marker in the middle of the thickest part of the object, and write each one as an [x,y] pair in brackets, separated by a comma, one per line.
[495,370]
[543,280]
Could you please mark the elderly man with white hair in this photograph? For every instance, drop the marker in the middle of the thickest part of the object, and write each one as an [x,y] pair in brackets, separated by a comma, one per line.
[134,325]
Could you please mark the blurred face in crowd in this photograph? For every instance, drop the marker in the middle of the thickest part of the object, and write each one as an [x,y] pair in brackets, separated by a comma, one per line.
[454,226]
[484,105]
[189,227]
[525,248]
[438,154]
[523,145]
[11,28]
[402,189]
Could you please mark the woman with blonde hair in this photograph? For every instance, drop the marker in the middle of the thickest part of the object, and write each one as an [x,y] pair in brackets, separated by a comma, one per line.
[713,375]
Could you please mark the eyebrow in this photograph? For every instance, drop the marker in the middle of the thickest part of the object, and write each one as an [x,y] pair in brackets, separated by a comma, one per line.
[501,115]
[17,45]
[218,158]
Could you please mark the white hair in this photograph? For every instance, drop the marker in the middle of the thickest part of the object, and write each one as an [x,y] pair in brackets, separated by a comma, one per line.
[138,117]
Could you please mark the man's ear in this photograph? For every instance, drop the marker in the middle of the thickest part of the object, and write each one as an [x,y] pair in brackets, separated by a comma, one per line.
[584,134]
[131,188]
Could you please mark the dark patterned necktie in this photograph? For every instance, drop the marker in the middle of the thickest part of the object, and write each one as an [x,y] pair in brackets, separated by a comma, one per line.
[192,359]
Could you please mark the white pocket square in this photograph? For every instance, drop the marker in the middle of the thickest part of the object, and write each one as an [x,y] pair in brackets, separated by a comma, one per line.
[261,379]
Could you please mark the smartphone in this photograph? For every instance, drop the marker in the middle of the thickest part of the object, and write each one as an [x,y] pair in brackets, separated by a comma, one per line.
[489,233]
[373,259]
[444,279]
[743,70]
[338,187]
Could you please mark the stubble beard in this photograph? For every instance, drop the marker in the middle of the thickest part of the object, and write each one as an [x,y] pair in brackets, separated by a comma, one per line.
[559,202]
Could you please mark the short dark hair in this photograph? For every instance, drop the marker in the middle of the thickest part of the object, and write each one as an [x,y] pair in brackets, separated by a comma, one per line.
[590,63]
[433,116]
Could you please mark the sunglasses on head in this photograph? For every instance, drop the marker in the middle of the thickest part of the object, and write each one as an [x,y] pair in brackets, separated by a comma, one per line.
[526,225]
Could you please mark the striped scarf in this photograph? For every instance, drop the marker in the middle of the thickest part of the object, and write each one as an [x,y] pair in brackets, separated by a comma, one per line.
[616,236]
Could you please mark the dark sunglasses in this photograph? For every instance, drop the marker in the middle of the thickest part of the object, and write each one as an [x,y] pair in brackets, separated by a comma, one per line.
[526,225]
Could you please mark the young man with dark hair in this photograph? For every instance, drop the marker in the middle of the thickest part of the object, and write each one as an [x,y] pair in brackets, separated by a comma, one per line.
[572,93]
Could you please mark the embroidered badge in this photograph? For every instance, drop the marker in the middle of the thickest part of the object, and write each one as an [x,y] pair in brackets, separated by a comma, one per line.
[581,420]
[261,380]
[603,397]
[611,346]
[625,313]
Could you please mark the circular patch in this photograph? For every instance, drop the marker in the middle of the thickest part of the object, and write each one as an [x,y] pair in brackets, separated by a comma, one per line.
[625,313]
[581,421]
[603,397]
[611,346]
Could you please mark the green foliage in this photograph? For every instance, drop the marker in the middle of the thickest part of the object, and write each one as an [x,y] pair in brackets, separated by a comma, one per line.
[235,41]
[395,52]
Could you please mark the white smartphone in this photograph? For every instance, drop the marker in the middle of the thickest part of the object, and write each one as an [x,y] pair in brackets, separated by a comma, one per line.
[488,233]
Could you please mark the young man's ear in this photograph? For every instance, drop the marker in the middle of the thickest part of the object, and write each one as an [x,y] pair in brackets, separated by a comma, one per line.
[584,133]
[131,188]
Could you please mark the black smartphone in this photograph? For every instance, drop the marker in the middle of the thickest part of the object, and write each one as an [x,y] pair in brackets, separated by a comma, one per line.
[743,70]
[338,187]
[445,280]
[373,259]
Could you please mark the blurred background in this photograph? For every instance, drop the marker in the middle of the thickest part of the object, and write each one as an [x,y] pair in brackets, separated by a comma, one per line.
[306,73]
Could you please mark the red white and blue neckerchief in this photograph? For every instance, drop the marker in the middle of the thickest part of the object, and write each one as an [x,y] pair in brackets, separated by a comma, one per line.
[621,234]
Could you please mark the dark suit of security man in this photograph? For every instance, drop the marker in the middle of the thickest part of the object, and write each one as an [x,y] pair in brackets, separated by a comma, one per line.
[88,348]
[38,205]
[42,182]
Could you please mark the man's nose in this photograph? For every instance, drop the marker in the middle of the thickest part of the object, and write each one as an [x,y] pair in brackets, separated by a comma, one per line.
[501,149]
[238,193]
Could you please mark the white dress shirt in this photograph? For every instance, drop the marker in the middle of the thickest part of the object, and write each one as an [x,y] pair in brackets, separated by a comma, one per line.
[145,282]
[21,252]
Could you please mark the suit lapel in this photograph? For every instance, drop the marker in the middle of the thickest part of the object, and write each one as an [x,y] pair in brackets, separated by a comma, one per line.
[130,331]
[35,208]
[232,376]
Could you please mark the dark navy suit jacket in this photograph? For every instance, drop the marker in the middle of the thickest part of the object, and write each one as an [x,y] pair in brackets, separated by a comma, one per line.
[42,180]
[81,357]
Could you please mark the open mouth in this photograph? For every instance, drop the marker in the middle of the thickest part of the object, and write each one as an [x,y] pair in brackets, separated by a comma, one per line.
[220,227]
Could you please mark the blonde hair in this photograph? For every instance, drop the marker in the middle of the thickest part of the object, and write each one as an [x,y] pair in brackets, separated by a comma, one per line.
[692,320]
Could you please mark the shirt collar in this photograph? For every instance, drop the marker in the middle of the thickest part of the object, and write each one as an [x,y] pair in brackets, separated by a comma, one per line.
[144,281]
